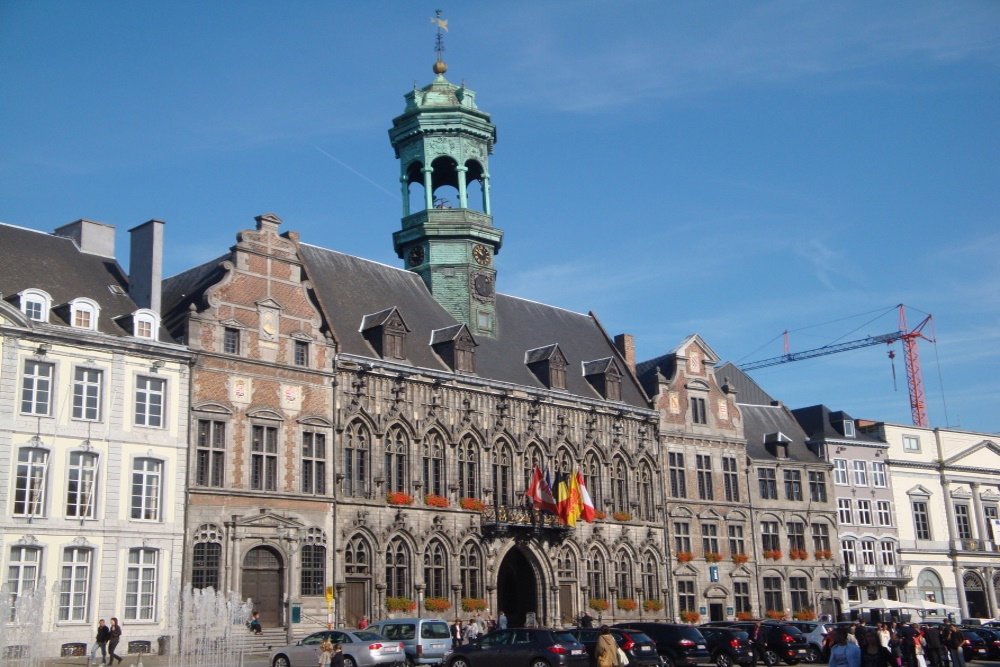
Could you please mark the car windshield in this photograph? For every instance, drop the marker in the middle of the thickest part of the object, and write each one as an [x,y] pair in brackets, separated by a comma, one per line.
[564,637]
[366,636]
[435,630]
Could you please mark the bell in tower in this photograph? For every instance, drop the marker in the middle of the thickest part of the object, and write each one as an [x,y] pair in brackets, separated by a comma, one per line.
[443,143]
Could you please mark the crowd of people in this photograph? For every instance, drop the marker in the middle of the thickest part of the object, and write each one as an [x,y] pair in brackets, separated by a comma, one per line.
[478,625]
[897,645]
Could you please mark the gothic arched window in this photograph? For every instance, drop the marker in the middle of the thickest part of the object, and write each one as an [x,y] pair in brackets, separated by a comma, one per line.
[396,445]
[503,482]
[619,485]
[650,577]
[647,506]
[532,458]
[433,460]
[357,440]
[623,574]
[358,556]
[596,575]
[468,467]
[592,471]
[206,557]
[397,569]
[471,566]
[566,563]
[436,570]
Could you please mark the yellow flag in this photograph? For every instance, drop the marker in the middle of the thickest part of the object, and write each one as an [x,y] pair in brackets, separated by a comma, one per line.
[440,23]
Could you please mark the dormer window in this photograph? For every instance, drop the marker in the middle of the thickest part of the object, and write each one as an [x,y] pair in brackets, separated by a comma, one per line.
[145,324]
[777,444]
[604,376]
[83,313]
[456,346]
[849,428]
[548,364]
[35,304]
[386,332]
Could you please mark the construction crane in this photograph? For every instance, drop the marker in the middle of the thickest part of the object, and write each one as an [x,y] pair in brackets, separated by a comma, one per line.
[911,358]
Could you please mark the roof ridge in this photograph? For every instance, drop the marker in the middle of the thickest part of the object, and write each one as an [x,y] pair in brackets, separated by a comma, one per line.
[38,231]
[547,305]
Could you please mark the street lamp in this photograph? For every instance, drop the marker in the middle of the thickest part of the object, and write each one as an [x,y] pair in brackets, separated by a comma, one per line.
[291,538]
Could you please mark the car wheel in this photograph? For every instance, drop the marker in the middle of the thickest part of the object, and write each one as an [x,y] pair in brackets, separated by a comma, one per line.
[349,661]
[281,661]
[813,654]
[770,658]
[667,662]
[538,662]
[459,662]
[722,659]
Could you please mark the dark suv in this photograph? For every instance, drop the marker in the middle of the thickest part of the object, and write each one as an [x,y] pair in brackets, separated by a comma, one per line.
[640,649]
[782,642]
[524,647]
[678,645]
[729,646]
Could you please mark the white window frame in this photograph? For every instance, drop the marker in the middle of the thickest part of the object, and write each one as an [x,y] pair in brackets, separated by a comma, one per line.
[140,585]
[864,512]
[868,552]
[147,489]
[845,511]
[74,584]
[30,480]
[36,297]
[88,393]
[887,554]
[909,440]
[81,472]
[860,469]
[36,388]
[22,574]
[143,318]
[144,413]
[81,306]
[879,478]
[883,512]
[840,476]
[849,552]
[849,428]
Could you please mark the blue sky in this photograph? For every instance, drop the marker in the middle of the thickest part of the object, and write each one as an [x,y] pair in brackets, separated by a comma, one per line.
[731,169]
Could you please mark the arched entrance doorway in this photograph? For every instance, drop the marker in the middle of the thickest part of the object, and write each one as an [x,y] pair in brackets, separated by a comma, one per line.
[263,582]
[975,595]
[517,588]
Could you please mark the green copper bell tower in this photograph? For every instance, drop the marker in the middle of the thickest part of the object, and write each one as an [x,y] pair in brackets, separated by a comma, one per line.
[443,139]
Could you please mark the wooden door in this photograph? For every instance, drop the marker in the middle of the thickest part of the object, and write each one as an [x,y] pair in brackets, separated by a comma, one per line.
[262,580]
[567,610]
[357,602]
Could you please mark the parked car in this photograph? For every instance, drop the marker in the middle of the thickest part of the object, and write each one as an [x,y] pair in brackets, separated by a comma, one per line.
[362,648]
[678,645]
[639,649]
[992,637]
[729,646]
[523,647]
[782,642]
[815,633]
[425,640]
[975,644]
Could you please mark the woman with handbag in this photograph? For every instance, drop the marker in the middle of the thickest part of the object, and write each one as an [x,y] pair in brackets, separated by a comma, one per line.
[606,651]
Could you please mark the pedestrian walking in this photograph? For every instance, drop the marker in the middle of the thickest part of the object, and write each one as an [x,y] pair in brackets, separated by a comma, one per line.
[325,652]
[101,642]
[114,636]
[606,651]
[502,621]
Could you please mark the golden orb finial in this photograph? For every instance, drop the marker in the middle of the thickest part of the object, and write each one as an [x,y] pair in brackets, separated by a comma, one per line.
[440,67]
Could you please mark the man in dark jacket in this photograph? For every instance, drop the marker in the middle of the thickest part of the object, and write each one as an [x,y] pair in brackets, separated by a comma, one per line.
[101,642]
[932,646]
[906,636]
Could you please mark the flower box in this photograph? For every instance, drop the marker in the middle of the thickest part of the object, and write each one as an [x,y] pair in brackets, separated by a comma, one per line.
[652,605]
[774,554]
[690,616]
[740,559]
[437,604]
[824,554]
[433,500]
[473,504]
[775,615]
[685,556]
[473,604]
[598,514]
[713,557]
[400,604]
[626,604]
[798,554]
[399,498]
[621,516]
[598,604]
[804,615]
[744,615]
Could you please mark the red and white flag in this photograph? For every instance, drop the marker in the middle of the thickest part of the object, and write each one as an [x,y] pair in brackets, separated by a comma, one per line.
[587,513]
[540,492]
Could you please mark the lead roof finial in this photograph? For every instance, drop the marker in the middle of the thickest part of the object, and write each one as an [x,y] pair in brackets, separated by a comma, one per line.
[440,67]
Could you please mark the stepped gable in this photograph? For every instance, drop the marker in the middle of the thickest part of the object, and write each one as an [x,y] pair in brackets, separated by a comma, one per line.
[350,288]
[32,259]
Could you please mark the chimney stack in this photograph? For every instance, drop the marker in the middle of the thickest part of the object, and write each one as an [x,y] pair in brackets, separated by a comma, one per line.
[93,238]
[626,345]
[145,264]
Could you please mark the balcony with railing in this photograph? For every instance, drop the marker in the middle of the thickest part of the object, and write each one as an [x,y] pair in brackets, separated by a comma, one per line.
[501,519]
[858,573]
[977,546]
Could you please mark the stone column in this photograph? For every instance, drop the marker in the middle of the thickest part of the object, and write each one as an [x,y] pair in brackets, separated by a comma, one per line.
[949,510]
[991,594]
[977,507]
[960,587]
[486,194]
[404,183]
[428,188]
[463,199]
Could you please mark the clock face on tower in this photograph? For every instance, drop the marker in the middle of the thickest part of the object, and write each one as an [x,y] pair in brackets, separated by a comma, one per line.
[481,254]
[483,285]
[416,256]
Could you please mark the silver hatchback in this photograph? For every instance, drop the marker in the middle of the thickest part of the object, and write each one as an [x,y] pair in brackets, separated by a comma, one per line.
[361,648]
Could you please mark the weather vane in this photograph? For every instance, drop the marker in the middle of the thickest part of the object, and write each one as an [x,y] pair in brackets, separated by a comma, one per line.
[442,24]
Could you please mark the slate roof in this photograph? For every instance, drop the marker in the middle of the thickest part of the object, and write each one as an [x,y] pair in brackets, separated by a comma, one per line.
[821,423]
[180,290]
[33,259]
[349,288]
[747,391]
